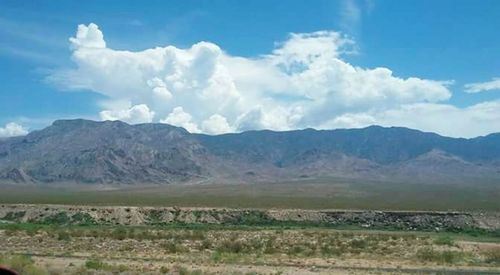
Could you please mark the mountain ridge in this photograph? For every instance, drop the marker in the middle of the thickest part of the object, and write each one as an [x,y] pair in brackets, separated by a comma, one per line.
[85,151]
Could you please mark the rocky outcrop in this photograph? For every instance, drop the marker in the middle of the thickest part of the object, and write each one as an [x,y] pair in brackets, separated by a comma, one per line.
[115,215]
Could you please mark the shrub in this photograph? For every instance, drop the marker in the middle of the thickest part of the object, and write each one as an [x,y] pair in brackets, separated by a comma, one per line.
[493,256]
[444,240]
[296,249]
[59,218]
[155,216]
[327,250]
[205,244]
[99,265]
[63,236]
[232,246]
[31,231]
[358,243]
[119,268]
[83,219]
[22,264]
[254,218]
[173,247]
[14,216]
[77,233]
[197,235]
[119,233]
[164,270]
[95,264]
[93,233]
[431,255]
[216,257]
[270,248]
[131,233]
[184,271]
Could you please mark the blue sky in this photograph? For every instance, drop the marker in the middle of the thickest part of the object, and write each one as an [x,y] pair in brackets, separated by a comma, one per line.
[454,43]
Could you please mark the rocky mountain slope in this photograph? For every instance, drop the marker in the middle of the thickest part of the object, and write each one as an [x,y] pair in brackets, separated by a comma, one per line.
[83,151]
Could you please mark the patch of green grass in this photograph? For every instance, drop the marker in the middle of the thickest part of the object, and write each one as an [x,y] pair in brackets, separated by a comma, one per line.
[231,258]
[216,257]
[198,231]
[96,264]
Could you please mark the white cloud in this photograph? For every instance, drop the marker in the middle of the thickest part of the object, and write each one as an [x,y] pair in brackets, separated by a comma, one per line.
[216,124]
[12,129]
[159,89]
[444,119]
[178,117]
[302,49]
[494,84]
[350,15]
[303,82]
[88,37]
[134,115]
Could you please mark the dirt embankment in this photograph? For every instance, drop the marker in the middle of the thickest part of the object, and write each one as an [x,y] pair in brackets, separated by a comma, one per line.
[118,215]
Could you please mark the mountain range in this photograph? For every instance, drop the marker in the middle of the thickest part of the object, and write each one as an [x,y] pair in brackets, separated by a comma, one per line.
[84,151]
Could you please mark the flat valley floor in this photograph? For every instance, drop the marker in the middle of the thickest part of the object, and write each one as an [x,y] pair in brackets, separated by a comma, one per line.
[37,249]
[58,248]
[318,193]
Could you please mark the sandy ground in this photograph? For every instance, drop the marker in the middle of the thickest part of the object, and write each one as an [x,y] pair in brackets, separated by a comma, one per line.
[70,252]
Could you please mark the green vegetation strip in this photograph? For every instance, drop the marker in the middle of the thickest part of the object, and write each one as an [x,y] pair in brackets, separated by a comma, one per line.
[121,231]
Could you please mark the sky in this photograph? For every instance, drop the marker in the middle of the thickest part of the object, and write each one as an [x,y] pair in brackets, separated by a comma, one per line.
[229,66]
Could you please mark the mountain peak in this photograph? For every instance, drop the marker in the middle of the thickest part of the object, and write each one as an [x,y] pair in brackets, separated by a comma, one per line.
[79,122]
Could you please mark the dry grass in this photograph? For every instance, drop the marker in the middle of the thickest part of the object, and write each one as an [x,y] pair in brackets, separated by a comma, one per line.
[22,264]
[175,249]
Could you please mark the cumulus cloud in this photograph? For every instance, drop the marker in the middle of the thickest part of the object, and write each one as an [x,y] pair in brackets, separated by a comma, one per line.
[88,37]
[178,117]
[494,84]
[159,89]
[304,82]
[445,119]
[216,124]
[12,129]
[134,115]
